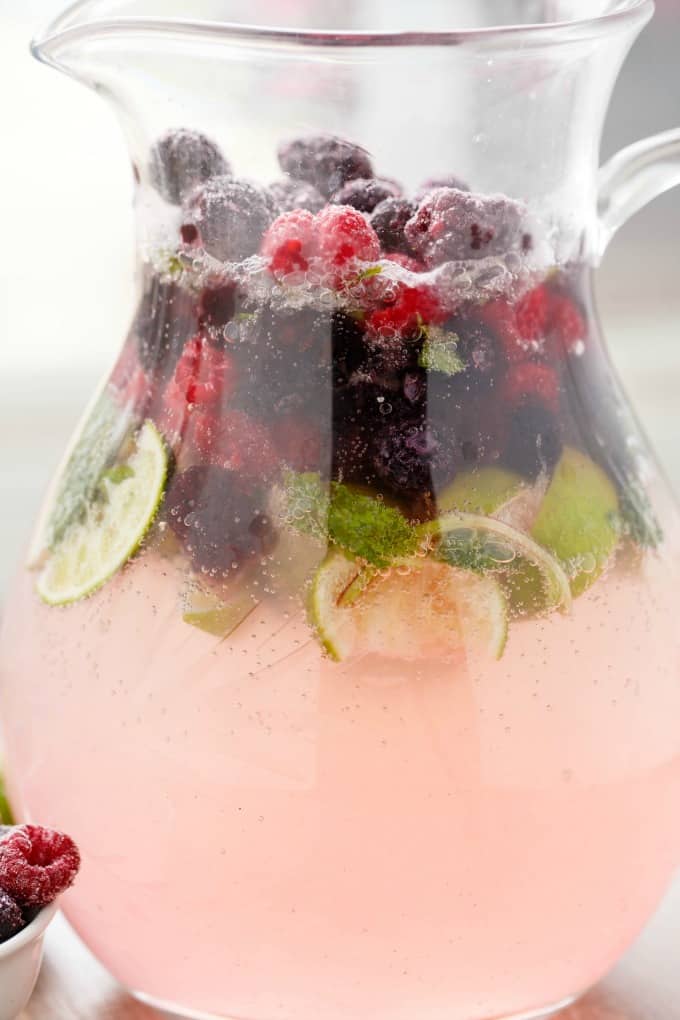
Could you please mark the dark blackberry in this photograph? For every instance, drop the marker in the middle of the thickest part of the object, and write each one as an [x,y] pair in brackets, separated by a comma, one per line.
[365,195]
[414,386]
[349,348]
[325,161]
[478,348]
[166,318]
[11,918]
[446,181]
[389,219]
[534,440]
[229,217]
[289,194]
[409,455]
[220,523]
[453,225]
[181,160]
[216,307]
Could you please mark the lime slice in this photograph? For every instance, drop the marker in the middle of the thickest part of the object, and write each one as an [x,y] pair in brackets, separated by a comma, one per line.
[422,608]
[480,491]
[578,520]
[215,616]
[532,578]
[113,526]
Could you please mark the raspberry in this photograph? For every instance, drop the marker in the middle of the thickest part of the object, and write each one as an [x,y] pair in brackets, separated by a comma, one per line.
[449,181]
[221,523]
[236,442]
[405,261]
[532,314]
[566,324]
[290,243]
[204,375]
[11,918]
[325,161]
[500,318]
[299,443]
[182,159]
[365,195]
[454,225]
[344,236]
[289,194]
[228,217]
[413,308]
[37,864]
[528,379]
[389,219]
[534,441]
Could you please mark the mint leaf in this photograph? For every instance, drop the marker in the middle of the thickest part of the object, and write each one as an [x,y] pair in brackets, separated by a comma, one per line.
[637,517]
[440,353]
[306,503]
[366,527]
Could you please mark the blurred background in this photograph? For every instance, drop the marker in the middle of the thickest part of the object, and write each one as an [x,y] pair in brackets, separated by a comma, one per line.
[67,257]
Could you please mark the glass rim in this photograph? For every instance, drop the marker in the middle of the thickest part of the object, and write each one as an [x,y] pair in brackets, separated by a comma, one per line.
[80,21]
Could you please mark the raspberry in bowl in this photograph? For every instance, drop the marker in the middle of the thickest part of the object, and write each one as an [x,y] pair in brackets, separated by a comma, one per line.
[36,865]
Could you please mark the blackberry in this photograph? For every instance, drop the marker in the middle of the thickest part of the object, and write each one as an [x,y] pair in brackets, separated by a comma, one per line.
[216,307]
[181,160]
[229,217]
[349,349]
[454,225]
[166,318]
[408,454]
[478,348]
[325,161]
[365,195]
[534,440]
[221,524]
[446,181]
[289,194]
[11,918]
[388,219]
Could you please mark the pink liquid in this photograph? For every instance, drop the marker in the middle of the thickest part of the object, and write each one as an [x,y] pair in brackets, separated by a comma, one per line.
[270,835]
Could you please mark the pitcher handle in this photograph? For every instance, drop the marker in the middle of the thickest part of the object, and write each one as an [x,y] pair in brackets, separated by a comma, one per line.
[634,177]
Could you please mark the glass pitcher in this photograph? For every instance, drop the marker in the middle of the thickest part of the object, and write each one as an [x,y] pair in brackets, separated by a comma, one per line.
[346,644]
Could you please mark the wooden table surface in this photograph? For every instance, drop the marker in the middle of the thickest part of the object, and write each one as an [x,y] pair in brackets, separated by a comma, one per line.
[645,986]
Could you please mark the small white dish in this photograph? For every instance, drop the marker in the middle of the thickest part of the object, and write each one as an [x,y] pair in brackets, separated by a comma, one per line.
[20,959]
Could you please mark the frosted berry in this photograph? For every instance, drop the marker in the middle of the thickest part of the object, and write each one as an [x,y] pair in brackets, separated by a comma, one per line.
[389,219]
[289,194]
[344,237]
[499,317]
[566,324]
[183,159]
[325,161]
[11,918]
[203,375]
[221,523]
[37,864]
[413,308]
[454,225]
[229,217]
[365,195]
[534,441]
[433,183]
[290,243]
[532,314]
[405,261]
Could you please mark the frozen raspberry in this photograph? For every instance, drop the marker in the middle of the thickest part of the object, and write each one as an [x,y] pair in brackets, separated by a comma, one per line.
[235,441]
[365,195]
[344,236]
[325,161]
[532,313]
[406,453]
[290,243]
[11,918]
[530,380]
[221,523]
[299,443]
[566,324]
[204,375]
[534,441]
[405,261]
[181,160]
[389,219]
[453,225]
[433,183]
[414,307]
[165,320]
[37,864]
[289,194]
[499,318]
[228,217]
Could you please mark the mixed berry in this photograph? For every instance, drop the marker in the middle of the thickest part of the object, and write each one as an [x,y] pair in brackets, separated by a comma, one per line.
[388,345]
[36,866]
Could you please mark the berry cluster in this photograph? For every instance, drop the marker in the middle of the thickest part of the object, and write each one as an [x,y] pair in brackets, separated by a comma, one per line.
[36,866]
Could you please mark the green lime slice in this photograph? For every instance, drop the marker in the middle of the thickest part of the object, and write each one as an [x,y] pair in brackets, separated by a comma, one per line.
[113,524]
[480,491]
[421,608]
[216,616]
[578,520]
[532,578]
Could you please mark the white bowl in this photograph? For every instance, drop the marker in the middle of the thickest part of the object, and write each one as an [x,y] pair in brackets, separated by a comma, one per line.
[20,959]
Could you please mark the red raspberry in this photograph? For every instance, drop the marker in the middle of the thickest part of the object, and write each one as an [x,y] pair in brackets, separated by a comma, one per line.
[532,314]
[344,236]
[236,442]
[299,443]
[501,318]
[290,243]
[203,375]
[37,864]
[11,918]
[405,261]
[566,324]
[413,308]
[531,380]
